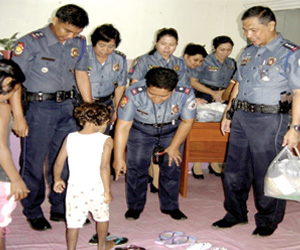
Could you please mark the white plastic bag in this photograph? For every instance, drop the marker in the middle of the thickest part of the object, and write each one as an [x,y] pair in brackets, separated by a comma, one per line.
[282,179]
[211,112]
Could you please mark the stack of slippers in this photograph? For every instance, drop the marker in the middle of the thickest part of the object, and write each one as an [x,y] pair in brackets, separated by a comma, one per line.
[174,239]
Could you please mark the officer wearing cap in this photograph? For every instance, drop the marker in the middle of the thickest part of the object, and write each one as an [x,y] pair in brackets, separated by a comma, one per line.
[267,69]
[51,58]
[108,67]
[212,77]
[154,115]
[160,56]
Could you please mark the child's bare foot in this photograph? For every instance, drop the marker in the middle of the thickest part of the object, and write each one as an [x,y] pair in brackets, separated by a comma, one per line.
[108,245]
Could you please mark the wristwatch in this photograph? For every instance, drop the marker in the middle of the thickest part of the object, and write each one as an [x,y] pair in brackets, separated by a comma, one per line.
[296,127]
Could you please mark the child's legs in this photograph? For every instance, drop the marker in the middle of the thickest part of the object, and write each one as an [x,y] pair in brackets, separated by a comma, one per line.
[72,238]
[101,229]
[2,238]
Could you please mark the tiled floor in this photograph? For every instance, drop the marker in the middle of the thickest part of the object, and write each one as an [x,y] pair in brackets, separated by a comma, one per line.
[203,206]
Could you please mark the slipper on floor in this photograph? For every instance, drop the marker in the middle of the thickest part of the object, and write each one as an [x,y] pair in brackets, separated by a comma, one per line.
[117,239]
[181,241]
[199,246]
[130,247]
[166,235]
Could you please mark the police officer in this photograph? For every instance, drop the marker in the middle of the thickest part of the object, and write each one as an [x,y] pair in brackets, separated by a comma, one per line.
[214,74]
[259,128]
[49,58]
[155,115]
[160,56]
[108,67]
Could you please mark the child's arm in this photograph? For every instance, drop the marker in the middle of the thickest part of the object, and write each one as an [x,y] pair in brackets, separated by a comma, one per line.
[59,184]
[18,187]
[105,169]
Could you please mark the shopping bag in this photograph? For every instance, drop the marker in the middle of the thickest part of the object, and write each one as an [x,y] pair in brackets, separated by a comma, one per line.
[282,179]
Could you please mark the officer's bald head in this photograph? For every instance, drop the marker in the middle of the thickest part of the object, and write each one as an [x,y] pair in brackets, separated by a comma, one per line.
[162,78]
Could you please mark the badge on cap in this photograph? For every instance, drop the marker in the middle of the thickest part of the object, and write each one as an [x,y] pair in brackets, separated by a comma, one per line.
[116,67]
[19,49]
[74,52]
[174,109]
[176,67]
[123,102]
[271,61]
[44,70]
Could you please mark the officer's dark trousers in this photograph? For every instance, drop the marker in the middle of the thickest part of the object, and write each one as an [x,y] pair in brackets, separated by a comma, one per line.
[49,123]
[255,139]
[142,140]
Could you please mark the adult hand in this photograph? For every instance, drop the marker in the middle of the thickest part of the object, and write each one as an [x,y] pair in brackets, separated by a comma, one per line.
[217,96]
[120,168]
[291,138]
[225,125]
[174,155]
[20,126]
[59,186]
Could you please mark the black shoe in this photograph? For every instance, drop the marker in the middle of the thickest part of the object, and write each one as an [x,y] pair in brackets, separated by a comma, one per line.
[39,224]
[61,217]
[197,176]
[212,171]
[263,231]
[175,214]
[57,217]
[227,224]
[153,189]
[132,214]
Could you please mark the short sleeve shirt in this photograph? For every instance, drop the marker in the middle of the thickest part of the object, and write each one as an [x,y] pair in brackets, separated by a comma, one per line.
[105,77]
[136,105]
[47,63]
[265,72]
[144,63]
[213,73]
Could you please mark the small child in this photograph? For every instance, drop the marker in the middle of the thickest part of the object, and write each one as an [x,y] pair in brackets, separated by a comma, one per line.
[12,187]
[88,190]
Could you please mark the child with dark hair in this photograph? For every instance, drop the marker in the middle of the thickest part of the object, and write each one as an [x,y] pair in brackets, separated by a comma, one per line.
[12,187]
[88,190]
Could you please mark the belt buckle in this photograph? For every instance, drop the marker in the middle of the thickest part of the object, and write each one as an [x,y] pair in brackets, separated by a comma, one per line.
[155,125]
[40,96]
[245,106]
[252,108]
[60,96]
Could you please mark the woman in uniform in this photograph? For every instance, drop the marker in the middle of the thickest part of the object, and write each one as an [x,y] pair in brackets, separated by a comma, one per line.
[211,79]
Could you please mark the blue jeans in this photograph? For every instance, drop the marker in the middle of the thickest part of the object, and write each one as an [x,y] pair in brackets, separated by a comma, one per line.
[142,140]
[255,139]
[49,123]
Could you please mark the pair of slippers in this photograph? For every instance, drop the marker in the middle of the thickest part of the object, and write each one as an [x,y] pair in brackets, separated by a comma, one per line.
[173,239]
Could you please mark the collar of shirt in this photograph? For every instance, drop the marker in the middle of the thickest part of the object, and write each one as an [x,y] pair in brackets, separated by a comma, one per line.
[159,57]
[93,56]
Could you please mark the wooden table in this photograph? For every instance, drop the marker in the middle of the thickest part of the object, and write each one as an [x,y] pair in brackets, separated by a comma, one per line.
[205,143]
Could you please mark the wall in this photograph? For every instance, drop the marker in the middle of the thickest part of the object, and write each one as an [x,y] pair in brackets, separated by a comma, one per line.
[196,21]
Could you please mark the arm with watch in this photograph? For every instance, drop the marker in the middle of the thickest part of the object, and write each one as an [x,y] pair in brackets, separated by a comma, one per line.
[292,136]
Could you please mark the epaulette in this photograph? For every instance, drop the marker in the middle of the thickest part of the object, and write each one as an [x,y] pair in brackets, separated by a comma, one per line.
[37,34]
[291,46]
[120,53]
[138,90]
[185,90]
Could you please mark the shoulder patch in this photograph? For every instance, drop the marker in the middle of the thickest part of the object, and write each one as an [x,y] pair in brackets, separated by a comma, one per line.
[120,53]
[138,90]
[134,63]
[19,49]
[291,46]
[184,90]
[37,34]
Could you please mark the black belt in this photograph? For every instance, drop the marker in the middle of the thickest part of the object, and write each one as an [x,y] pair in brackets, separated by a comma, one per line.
[213,87]
[103,99]
[261,108]
[158,125]
[58,96]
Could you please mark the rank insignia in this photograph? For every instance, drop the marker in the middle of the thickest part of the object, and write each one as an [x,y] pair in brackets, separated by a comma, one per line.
[116,67]
[19,49]
[138,90]
[134,63]
[74,52]
[176,67]
[152,66]
[271,61]
[192,105]
[174,109]
[123,102]
[245,60]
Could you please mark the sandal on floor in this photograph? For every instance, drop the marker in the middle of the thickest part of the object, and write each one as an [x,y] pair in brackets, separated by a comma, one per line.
[181,241]
[117,239]
[166,235]
[199,246]
[130,247]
